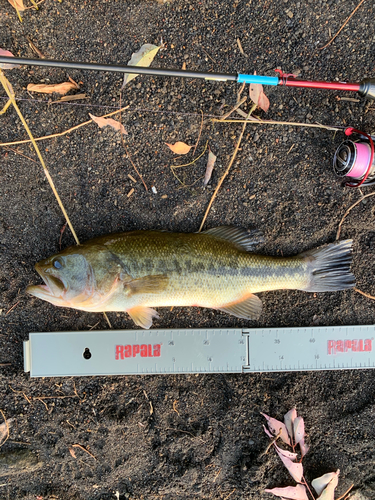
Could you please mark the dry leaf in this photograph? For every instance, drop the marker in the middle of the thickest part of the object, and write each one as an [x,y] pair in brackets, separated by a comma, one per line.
[285,453]
[275,426]
[294,469]
[299,434]
[59,88]
[75,97]
[320,483]
[108,122]
[72,452]
[329,491]
[17,4]
[288,421]
[293,492]
[179,148]
[6,53]
[210,166]
[258,96]
[143,57]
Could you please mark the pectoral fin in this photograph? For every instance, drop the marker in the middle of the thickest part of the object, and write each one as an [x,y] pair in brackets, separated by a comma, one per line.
[142,316]
[249,308]
[146,284]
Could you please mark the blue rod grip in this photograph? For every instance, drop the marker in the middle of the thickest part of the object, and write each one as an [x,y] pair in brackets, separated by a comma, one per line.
[263,80]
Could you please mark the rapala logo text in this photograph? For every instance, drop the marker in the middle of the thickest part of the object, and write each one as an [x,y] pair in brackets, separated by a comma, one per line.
[142,350]
[356,345]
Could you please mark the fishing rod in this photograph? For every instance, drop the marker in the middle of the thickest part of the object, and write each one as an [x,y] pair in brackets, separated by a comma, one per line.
[353,161]
[366,88]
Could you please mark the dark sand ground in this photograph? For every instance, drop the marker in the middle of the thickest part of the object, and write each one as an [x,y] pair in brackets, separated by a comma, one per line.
[281,182]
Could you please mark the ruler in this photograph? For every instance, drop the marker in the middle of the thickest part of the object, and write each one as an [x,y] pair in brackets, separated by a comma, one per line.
[218,350]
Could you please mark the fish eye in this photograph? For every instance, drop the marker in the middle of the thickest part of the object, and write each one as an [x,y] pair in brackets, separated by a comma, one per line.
[57,264]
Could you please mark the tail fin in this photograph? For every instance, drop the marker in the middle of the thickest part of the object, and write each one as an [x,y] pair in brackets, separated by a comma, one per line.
[329,267]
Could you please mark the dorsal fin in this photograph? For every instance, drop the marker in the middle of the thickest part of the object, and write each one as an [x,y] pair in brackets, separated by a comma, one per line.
[242,238]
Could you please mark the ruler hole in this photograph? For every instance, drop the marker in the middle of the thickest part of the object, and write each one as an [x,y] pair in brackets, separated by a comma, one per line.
[87,353]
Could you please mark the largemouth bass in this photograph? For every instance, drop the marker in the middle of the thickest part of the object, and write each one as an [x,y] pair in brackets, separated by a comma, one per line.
[139,270]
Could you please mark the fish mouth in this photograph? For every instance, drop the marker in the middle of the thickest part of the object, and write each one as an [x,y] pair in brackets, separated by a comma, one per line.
[52,289]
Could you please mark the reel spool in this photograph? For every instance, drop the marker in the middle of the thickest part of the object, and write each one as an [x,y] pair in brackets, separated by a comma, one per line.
[354,160]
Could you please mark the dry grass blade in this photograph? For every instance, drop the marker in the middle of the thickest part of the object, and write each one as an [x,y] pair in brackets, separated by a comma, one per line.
[346,493]
[343,26]
[228,168]
[4,83]
[60,134]
[274,122]
[239,103]
[364,294]
[83,449]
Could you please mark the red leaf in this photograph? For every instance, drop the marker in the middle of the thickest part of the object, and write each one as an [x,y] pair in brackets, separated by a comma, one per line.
[6,53]
[258,96]
[298,429]
[275,426]
[295,470]
[288,420]
[321,484]
[210,166]
[294,492]
[285,453]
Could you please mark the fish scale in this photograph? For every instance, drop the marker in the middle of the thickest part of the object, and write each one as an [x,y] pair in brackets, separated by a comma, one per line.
[193,274]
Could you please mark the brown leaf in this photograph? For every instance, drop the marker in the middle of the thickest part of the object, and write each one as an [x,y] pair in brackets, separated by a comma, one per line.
[108,122]
[179,148]
[17,3]
[210,166]
[59,88]
[6,53]
[75,97]
[258,96]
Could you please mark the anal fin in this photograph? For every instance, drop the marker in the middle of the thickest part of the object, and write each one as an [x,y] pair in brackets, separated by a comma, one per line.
[248,308]
[142,316]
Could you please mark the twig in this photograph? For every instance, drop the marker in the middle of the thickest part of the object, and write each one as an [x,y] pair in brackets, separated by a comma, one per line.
[344,495]
[135,168]
[18,153]
[272,443]
[308,487]
[186,165]
[230,494]
[365,294]
[237,105]
[107,319]
[175,403]
[343,26]
[83,449]
[11,309]
[348,211]
[192,162]
[61,234]
[60,134]
[199,135]
[273,122]
[228,168]
[4,82]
